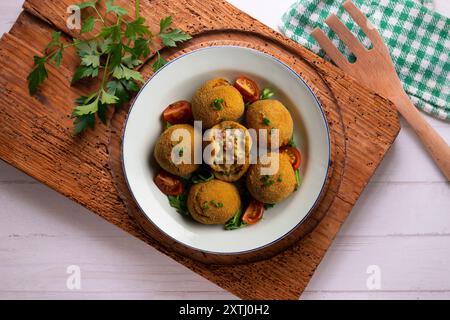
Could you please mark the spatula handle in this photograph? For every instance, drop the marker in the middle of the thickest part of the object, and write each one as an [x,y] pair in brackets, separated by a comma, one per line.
[435,144]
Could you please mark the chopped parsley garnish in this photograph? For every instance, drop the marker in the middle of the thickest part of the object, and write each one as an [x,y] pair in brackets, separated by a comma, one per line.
[267,181]
[218,104]
[268,206]
[280,178]
[292,143]
[179,203]
[266,94]
[266,121]
[202,176]
[298,179]
[205,205]
[180,152]
[216,204]
[235,222]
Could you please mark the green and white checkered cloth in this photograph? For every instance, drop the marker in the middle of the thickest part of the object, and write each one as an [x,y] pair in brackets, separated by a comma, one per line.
[417,37]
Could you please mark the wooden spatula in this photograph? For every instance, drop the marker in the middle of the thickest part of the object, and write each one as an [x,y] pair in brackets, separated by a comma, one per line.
[374,69]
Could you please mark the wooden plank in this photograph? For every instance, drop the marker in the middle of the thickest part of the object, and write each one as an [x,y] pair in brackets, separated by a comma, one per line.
[68,165]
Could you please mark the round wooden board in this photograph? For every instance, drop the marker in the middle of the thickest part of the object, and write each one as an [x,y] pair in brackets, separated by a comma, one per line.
[337,136]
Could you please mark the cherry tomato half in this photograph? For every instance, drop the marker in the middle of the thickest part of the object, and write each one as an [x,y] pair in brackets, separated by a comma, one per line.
[169,184]
[178,113]
[294,155]
[248,88]
[254,212]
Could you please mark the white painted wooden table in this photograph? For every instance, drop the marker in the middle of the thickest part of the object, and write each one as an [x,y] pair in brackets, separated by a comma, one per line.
[401,224]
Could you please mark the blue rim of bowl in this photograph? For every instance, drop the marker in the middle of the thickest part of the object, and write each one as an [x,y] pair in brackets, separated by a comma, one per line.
[319,196]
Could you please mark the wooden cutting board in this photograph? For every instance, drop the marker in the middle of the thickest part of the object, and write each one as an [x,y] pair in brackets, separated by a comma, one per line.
[35,135]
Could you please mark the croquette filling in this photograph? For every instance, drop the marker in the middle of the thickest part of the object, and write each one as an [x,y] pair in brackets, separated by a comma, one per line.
[229,146]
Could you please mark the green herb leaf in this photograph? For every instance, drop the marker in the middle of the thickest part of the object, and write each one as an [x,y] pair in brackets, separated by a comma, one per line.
[266,94]
[136,28]
[292,143]
[108,98]
[110,7]
[159,63]
[130,61]
[82,123]
[117,89]
[179,203]
[202,177]
[58,56]
[91,61]
[112,32]
[141,48]
[267,181]
[171,38]
[90,108]
[164,24]
[298,179]
[38,75]
[55,42]
[216,204]
[218,104]
[101,113]
[122,72]
[88,25]
[268,206]
[86,48]
[235,222]
[84,72]
[266,121]
[88,4]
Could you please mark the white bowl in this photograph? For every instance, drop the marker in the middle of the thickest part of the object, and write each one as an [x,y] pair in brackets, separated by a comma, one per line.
[178,80]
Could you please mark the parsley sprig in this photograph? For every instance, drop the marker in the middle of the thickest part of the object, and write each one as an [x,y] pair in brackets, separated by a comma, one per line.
[113,55]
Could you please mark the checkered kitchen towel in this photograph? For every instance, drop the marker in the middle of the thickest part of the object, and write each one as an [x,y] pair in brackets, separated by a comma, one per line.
[418,39]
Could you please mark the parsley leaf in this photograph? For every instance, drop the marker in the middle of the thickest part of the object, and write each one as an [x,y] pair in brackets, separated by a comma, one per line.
[88,25]
[110,7]
[108,98]
[171,38]
[291,142]
[266,94]
[266,121]
[91,61]
[88,4]
[136,28]
[159,63]
[122,72]
[141,48]
[84,72]
[82,123]
[179,203]
[86,109]
[235,222]
[38,75]
[55,42]
[58,56]
[112,32]
[218,104]
[164,24]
